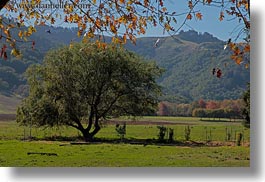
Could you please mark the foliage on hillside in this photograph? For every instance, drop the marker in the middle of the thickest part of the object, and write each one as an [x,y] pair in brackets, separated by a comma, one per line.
[202,108]
[189,66]
[188,62]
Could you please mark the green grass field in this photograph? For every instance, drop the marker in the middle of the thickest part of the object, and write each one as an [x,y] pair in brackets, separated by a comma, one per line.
[14,149]
[15,153]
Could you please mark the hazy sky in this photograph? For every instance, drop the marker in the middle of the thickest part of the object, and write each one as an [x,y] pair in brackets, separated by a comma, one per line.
[209,23]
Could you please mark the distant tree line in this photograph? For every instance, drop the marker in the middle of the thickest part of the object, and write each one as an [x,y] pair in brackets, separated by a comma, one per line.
[203,109]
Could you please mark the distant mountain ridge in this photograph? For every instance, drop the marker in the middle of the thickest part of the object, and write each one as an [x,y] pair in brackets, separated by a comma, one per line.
[188,59]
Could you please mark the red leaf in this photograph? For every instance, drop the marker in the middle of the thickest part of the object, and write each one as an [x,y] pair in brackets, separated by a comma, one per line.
[2,52]
[219,73]
[33,44]
[161,3]
[5,56]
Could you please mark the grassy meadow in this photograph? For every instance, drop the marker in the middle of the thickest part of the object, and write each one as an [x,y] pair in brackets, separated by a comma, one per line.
[17,150]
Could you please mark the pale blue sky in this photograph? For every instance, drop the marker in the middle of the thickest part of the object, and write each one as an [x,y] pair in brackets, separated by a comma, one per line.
[209,23]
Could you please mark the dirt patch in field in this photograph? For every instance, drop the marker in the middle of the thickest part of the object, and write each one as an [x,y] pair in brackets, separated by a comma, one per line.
[113,122]
[7,117]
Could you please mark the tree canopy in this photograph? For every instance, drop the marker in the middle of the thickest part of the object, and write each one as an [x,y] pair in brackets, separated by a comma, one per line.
[121,19]
[83,85]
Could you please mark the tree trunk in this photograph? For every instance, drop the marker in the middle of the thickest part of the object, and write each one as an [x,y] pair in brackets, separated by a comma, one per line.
[89,136]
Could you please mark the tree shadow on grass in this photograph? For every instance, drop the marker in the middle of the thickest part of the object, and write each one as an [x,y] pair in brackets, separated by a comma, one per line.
[78,140]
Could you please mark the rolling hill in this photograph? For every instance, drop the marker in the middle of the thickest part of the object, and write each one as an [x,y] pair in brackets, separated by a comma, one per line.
[188,59]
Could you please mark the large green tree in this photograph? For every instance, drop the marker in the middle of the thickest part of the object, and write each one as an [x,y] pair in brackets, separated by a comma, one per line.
[82,85]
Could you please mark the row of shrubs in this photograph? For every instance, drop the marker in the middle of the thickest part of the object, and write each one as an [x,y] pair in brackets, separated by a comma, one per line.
[214,113]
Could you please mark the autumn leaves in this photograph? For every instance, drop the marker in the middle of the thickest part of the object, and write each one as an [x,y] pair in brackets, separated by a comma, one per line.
[191,5]
[123,20]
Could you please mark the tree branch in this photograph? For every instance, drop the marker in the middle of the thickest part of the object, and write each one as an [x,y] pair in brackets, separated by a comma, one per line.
[72,125]
[3,3]
[246,22]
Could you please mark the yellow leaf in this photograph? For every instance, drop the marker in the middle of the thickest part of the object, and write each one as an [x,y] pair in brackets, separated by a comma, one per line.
[246,6]
[6,31]
[15,53]
[79,33]
[31,15]
[76,17]
[94,1]
[113,28]
[71,45]
[20,34]
[167,27]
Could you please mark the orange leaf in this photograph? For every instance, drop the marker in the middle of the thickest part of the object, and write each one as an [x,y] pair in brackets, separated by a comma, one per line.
[238,60]
[246,6]
[167,27]
[20,34]
[164,9]
[189,16]
[199,16]
[237,51]
[247,48]
[98,23]
[124,38]
[221,17]
[142,30]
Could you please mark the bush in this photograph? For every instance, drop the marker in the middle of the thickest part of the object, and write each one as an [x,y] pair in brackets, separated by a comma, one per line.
[121,130]
[187,133]
[162,133]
